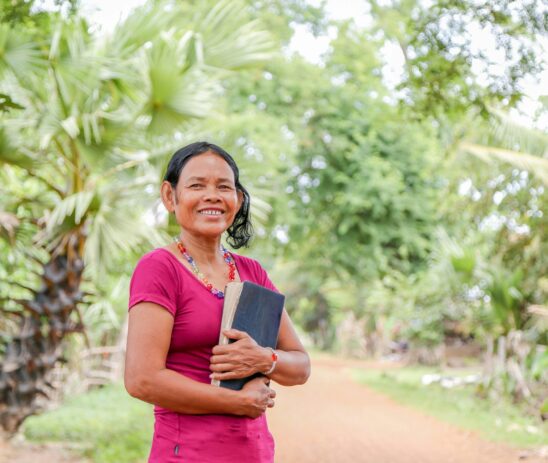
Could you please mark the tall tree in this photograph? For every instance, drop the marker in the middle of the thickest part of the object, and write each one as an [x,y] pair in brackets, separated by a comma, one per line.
[460,54]
[81,155]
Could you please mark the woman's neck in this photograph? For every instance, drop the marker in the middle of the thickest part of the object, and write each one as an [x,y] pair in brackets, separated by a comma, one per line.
[202,249]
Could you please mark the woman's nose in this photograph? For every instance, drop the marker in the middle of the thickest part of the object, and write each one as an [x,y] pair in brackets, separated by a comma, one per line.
[211,193]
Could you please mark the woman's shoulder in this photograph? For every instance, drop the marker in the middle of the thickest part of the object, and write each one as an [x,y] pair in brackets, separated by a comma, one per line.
[254,270]
[247,262]
[158,254]
[159,258]
[155,280]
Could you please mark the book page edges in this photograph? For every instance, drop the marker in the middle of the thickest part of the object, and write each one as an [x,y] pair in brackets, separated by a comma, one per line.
[232,297]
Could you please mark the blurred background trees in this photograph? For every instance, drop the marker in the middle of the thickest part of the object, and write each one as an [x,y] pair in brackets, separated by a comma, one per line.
[397,217]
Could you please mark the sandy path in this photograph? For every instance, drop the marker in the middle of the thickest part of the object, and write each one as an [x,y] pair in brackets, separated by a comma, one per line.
[334,420]
[25,452]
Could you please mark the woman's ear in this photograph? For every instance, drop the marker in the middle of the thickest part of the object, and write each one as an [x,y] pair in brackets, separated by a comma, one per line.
[240,199]
[168,194]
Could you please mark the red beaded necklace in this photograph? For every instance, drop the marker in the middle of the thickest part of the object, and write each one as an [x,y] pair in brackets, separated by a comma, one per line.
[227,258]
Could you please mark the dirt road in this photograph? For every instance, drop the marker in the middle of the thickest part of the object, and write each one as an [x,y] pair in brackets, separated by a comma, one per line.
[334,420]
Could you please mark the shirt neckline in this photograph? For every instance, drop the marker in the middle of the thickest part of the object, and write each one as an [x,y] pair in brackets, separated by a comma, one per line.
[236,258]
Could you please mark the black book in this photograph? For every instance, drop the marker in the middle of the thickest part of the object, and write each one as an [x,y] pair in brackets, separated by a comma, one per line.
[257,311]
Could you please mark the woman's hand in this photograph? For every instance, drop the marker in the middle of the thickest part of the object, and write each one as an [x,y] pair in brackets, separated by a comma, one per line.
[240,359]
[257,397]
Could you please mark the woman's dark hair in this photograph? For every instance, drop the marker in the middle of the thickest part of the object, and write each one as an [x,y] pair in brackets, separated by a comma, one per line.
[241,230]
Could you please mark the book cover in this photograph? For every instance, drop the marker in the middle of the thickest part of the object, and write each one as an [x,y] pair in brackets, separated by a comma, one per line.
[257,311]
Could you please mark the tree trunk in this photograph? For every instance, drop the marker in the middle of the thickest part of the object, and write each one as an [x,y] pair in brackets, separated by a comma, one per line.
[44,321]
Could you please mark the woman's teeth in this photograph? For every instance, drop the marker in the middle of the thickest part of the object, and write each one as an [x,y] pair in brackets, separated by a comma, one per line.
[208,212]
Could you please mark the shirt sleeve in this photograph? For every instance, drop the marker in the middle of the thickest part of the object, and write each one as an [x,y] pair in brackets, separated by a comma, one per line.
[261,277]
[154,280]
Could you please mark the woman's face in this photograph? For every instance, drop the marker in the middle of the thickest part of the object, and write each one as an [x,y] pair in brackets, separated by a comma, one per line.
[206,201]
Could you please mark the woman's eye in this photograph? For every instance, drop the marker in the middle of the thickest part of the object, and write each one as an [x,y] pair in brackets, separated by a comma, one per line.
[225,187]
[196,185]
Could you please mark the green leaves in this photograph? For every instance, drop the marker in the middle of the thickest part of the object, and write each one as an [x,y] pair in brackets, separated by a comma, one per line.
[10,153]
[120,228]
[94,111]
[504,140]
[144,25]
[462,54]
[506,299]
[75,206]
[464,262]
[18,53]
[6,103]
[534,164]
[184,70]
[176,94]
[230,40]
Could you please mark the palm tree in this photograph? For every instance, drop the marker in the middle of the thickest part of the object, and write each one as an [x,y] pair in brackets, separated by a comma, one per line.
[506,141]
[85,122]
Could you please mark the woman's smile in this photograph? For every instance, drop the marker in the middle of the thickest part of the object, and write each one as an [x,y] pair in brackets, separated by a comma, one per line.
[211,212]
[206,199]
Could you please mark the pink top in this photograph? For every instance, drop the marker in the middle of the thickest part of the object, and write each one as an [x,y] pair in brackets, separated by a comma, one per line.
[160,278]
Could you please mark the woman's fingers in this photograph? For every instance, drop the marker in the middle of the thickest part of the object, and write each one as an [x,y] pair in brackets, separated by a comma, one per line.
[225,375]
[241,345]
[220,350]
[220,359]
[220,367]
[235,334]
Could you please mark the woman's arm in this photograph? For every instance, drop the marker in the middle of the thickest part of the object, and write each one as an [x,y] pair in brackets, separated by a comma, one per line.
[245,357]
[147,378]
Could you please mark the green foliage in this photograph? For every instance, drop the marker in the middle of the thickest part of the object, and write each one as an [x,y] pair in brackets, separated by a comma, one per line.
[111,426]
[539,367]
[28,13]
[6,103]
[367,186]
[86,122]
[363,198]
[376,184]
[506,299]
[447,60]
[88,114]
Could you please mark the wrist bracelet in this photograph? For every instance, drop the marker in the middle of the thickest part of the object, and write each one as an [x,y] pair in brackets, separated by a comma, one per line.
[274,361]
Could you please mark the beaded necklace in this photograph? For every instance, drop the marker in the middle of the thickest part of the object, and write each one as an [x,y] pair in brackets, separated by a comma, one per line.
[227,258]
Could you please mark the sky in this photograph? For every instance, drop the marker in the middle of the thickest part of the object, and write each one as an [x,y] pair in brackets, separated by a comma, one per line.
[105,14]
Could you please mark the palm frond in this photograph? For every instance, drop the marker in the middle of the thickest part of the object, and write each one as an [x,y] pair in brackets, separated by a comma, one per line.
[176,94]
[8,224]
[9,154]
[503,139]
[534,164]
[143,25]
[18,53]
[260,209]
[74,205]
[229,40]
[7,103]
[512,135]
[116,231]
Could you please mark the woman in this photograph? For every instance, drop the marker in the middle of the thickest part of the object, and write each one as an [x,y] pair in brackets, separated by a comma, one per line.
[174,322]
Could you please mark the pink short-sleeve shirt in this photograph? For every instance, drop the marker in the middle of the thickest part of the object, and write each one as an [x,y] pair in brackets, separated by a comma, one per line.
[160,278]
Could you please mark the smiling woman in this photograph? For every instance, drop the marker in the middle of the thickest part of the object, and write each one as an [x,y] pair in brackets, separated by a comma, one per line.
[176,298]
[205,199]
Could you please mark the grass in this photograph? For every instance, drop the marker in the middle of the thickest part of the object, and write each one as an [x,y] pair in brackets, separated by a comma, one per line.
[500,422]
[111,426]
